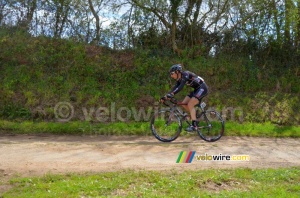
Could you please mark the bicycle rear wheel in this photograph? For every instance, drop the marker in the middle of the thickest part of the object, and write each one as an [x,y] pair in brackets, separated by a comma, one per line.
[211,126]
[166,125]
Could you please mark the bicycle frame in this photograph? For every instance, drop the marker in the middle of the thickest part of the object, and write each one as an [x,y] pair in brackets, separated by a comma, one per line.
[174,108]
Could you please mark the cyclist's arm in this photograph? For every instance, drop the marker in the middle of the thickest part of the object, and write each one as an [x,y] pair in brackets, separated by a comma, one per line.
[179,86]
[172,90]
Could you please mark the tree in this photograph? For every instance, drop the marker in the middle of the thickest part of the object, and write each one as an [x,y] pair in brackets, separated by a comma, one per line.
[297,41]
[160,11]
[62,8]
[3,13]
[196,26]
[97,18]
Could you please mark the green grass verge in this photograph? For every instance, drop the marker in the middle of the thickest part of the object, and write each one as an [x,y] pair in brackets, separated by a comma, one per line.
[261,130]
[282,182]
[139,128]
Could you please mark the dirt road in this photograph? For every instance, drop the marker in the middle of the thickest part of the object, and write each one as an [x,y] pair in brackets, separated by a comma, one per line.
[36,155]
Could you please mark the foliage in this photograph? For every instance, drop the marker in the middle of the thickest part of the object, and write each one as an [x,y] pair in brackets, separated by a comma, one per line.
[38,72]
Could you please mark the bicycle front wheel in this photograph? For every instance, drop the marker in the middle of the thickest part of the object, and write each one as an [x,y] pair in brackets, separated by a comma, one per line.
[166,125]
[211,126]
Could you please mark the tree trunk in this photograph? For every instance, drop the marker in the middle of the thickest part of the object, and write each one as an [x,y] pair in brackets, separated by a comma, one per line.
[58,14]
[2,5]
[61,16]
[275,12]
[287,27]
[297,42]
[97,39]
[31,10]
[173,36]
[174,16]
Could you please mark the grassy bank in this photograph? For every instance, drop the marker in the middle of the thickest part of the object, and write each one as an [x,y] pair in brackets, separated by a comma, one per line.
[37,72]
[139,128]
[283,182]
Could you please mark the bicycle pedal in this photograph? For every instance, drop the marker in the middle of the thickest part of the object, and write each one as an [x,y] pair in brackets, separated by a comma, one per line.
[191,129]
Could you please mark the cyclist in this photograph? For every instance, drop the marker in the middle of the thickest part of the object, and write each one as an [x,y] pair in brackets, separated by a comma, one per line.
[192,99]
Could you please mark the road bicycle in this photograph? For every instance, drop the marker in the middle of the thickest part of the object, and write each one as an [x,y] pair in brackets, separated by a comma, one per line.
[166,124]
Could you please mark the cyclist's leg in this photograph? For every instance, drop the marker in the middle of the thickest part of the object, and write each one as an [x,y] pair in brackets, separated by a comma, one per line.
[186,101]
[197,97]
[191,106]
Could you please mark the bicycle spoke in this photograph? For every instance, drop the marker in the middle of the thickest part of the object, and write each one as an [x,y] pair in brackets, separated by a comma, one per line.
[211,127]
[166,126]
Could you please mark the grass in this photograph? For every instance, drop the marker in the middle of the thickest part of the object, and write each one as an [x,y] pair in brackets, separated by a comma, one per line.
[261,130]
[242,182]
[139,128]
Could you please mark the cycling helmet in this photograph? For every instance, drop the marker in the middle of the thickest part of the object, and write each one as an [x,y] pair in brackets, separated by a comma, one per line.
[176,67]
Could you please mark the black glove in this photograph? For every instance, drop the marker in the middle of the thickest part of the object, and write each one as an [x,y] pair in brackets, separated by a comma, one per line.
[163,98]
[170,95]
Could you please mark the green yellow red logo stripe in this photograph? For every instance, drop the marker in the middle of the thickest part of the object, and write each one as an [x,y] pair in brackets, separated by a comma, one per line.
[186,157]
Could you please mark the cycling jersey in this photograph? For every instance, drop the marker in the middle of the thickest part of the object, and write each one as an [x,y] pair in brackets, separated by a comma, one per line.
[188,78]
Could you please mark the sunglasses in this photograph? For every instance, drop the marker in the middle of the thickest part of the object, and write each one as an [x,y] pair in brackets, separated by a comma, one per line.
[171,73]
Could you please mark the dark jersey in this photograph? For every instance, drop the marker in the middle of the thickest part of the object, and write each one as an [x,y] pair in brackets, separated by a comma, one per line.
[188,78]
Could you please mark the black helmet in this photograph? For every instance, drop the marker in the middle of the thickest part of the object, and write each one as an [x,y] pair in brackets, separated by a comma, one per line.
[176,67]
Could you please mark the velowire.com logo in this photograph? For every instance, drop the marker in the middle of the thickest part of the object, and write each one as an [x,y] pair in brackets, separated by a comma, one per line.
[185,157]
[189,156]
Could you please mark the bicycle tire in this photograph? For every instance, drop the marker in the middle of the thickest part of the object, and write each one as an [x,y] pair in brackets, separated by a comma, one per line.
[165,125]
[211,127]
